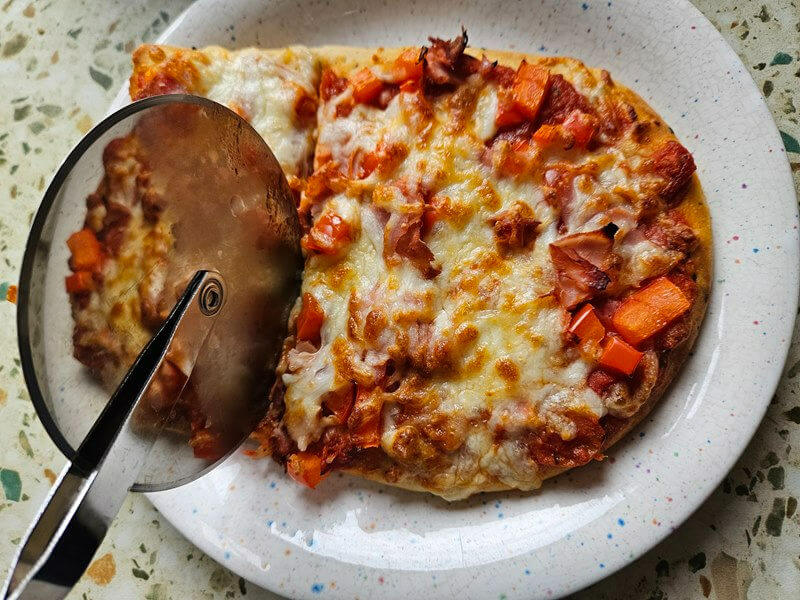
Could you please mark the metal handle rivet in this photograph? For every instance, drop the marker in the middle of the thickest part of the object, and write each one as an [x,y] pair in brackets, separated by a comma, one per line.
[211,297]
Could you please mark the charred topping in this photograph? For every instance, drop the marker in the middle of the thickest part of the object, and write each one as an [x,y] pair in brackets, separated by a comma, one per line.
[610,230]
[444,62]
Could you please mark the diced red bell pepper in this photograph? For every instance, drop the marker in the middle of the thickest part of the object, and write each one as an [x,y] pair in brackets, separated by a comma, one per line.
[649,310]
[620,356]
[305,468]
[530,88]
[309,321]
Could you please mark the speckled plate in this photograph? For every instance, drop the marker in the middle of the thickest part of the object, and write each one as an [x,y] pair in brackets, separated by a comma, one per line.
[352,538]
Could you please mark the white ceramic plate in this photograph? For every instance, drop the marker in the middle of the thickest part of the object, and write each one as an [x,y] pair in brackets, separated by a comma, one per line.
[351,538]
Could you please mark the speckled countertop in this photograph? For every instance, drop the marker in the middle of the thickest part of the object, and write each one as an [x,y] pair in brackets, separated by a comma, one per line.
[60,65]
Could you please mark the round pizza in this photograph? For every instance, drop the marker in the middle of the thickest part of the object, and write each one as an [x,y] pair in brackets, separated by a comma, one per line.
[507,257]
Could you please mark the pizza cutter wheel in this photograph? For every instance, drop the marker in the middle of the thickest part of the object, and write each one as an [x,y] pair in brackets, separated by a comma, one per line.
[222,256]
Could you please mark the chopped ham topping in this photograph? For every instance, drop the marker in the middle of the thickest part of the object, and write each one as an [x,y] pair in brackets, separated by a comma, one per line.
[584,264]
[331,85]
[561,101]
[514,228]
[548,448]
[675,165]
[161,83]
[671,232]
[403,233]
[403,237]
[444,61]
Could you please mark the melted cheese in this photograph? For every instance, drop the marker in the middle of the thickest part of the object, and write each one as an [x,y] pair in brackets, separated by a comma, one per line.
[488,328]
[513,365]
[262,86]
[482,340]
[642,259]
[266,88]
[110,322]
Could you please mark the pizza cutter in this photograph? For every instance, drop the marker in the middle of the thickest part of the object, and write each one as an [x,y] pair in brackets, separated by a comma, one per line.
[227,282]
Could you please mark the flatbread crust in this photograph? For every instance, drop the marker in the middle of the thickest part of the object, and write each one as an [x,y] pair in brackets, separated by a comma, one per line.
[378,467]
[163,69]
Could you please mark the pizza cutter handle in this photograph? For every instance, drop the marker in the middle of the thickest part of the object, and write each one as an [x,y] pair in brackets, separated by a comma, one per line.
[91,488]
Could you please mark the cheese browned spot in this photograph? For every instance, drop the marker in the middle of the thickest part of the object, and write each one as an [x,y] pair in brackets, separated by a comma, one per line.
[507,369]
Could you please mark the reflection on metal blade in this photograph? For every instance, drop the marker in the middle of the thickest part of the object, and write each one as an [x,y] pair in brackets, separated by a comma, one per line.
[228,208]
[161,189]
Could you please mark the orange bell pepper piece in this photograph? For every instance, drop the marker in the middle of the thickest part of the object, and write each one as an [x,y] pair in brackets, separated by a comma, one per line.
[206,444]
[407,66]
[620,356]
[649,310]
[507,113]
[547,134]
[365,420]
[79,282]
[87,253]
[366,86]
[340,403]
[305,468]
[329,235]
[309,321]
[412,86]
[369,434]
[586,326]
[369,163]
[531,85]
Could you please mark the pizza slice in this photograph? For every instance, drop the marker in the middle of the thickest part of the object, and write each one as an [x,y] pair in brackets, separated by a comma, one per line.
[119,289]
[507,260]
[274,90]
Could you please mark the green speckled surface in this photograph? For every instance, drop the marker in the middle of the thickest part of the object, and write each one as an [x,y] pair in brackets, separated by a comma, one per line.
[60,65]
